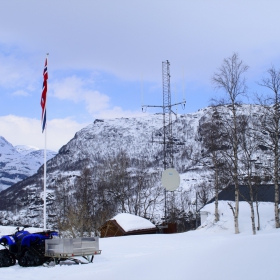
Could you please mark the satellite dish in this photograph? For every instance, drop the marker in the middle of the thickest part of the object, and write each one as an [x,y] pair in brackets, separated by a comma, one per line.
[170,179]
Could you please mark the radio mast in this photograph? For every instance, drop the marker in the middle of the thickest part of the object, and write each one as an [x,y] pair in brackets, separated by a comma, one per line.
[168,140]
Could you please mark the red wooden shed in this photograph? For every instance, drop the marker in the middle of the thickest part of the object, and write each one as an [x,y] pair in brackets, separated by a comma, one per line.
[127,224]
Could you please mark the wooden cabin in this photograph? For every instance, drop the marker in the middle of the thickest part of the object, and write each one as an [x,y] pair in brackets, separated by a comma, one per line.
[127,224]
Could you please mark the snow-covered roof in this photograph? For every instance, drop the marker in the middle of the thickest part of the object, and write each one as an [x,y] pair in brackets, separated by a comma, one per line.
[131,222]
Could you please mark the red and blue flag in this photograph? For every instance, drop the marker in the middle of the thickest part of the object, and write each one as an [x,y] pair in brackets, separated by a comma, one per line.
[44,96]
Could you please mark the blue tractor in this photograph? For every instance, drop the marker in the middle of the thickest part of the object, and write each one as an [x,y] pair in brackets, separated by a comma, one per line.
[27,248]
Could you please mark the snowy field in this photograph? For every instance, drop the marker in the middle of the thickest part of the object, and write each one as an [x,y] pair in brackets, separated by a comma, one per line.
[212,252]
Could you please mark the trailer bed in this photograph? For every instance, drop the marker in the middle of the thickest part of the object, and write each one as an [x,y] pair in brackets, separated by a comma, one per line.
[72,247]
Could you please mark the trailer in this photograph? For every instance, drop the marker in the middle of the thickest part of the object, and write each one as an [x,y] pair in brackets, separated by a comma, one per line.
[70,248]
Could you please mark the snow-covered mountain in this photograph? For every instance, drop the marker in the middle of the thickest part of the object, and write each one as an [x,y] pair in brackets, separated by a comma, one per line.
[19,162]
[138,137]
[24,149]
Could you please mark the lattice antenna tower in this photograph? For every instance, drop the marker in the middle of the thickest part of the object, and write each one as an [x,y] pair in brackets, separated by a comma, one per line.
[167,116]
[167,140]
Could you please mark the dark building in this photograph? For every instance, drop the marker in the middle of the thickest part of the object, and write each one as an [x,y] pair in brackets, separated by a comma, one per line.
[265,193]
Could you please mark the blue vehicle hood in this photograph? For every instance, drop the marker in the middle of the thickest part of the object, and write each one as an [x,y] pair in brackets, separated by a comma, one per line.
[26,239]
[9,240]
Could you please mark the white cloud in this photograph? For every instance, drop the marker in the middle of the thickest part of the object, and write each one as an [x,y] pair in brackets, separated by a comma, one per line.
[18,72]
[69,88]
[96,101]
[20,93]
[26,131]
[118,112]
[128,38]
[76,89]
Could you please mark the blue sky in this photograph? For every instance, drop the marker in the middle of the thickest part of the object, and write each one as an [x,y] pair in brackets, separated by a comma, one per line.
[104,54]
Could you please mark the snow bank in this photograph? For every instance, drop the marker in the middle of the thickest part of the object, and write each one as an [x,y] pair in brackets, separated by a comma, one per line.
[266,211]
[131,222]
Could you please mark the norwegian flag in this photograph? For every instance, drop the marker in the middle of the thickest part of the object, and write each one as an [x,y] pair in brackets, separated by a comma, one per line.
[44,96]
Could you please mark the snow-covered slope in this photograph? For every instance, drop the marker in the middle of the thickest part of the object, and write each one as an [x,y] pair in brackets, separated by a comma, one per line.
[19,162]
[212,253]
[139,138]
[106,137]
[24,149]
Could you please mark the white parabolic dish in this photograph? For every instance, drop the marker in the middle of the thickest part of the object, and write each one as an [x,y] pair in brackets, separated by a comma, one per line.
[170,179]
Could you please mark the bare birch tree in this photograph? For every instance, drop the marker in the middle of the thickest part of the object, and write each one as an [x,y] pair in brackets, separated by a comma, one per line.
[247,157]
[229,78]
[270,126]
[211,136]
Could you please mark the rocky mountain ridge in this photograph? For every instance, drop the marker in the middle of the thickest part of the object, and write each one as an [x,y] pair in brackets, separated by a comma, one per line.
[19,162]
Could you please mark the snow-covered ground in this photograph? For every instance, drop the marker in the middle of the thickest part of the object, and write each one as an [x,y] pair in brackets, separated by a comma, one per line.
[211,252]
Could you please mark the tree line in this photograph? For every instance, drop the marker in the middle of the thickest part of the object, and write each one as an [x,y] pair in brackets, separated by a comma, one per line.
[118,184]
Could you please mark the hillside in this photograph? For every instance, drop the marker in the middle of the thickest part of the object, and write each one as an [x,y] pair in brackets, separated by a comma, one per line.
[138,139]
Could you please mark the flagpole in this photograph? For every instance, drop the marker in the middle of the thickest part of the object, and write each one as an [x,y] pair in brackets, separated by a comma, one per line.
[45,169]
[45,179]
